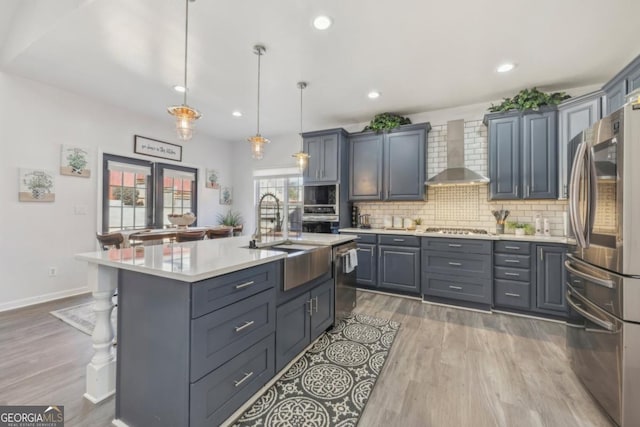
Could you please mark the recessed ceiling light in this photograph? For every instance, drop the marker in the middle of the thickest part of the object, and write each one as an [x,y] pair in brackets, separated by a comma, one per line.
[179,88]
[506,67]
[236,114]
[374,94]
[322,22]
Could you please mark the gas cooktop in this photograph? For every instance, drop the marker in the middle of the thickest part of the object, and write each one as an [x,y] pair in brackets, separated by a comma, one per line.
[448,230]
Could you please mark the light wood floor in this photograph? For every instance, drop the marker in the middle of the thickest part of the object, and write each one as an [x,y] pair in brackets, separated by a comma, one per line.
[448,367]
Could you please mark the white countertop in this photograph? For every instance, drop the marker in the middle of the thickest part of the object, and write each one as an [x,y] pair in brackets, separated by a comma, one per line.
[551,239]
[195,261]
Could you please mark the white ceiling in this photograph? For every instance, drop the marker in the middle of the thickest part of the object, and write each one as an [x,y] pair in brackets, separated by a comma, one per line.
[422,55]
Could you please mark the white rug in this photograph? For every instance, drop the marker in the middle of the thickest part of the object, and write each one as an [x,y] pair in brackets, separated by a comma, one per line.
[82,317]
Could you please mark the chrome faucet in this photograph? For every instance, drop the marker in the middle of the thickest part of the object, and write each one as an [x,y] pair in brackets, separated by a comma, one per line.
[257,235]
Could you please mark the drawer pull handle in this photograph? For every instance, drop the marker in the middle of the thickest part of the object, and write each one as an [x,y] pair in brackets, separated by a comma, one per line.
[515,248]
[512,274]
[454,245]
[457,288]
[246,377]
[512,261]
[398,240]
[509,294]
[456,264]
[245,326]
[244,285]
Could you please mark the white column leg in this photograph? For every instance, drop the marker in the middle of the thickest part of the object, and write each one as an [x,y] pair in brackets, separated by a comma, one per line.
[101,371]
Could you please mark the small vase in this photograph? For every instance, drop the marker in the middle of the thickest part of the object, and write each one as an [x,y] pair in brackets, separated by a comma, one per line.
[519,231]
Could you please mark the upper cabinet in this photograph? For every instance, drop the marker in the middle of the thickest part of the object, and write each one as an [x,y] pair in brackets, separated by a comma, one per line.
[523,160]
[388,166]
[326,151]
[574,116]
[625,82]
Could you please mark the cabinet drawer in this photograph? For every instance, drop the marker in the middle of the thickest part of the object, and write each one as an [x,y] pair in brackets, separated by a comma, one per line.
[512,294]
[215,397]
[518,248]
[474,265]
[398,240]
[457,245]
[365,237]
[222,334]
[218,292]
[507,260]
[508,273]
[459,288]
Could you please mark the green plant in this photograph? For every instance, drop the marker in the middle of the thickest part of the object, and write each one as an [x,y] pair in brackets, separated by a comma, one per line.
[528,228]
[128,195]
[387,121]
[231,218]
[39,179]
[418,221]
[529,99]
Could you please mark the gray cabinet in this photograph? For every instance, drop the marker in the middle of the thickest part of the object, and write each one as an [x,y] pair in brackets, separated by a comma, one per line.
[550,279]
[399,268]
[457,270]
[523,155]
[623,83]
[367,271]
[388,166]
[301,320]
[530,277]
[211,346]
[365,167]
[574,115]
[325,155]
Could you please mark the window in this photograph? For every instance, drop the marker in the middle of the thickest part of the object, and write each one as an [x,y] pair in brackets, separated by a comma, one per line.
[139,194]
[278,193]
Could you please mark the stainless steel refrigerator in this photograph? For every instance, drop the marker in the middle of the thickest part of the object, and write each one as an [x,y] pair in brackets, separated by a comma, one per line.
[603,267]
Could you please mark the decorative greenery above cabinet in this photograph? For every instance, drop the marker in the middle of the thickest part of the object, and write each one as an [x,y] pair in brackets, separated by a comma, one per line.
[390,165]
[523,154]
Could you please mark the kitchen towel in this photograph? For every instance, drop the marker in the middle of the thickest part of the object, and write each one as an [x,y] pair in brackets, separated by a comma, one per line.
[351,260]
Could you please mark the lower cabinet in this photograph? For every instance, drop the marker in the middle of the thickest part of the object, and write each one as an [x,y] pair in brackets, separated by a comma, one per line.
[532,283]
[302,320]
[399,268]
[367,264]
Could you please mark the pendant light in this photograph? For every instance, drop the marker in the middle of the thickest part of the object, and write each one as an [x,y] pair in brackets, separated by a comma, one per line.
[185,115]
[301,157]
[258,141]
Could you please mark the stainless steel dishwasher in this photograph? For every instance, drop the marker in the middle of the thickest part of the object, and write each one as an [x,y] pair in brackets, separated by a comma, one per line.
[345,282]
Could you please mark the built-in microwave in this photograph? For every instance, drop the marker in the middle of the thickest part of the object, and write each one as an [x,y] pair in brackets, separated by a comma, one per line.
[320,195]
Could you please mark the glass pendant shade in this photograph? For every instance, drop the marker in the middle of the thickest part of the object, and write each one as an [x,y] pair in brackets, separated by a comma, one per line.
[302,159]
[185,120]
[257,146]
[185,116]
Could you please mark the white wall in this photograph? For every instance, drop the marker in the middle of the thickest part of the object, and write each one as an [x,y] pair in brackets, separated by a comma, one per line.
[35,119]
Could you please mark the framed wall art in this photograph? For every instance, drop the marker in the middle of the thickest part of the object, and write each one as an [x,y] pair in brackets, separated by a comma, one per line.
[226,195]
[155,148]
[36,185]
[212,179]
[75,161]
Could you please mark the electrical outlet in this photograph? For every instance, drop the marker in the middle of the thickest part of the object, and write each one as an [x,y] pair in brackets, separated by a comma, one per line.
[53,271]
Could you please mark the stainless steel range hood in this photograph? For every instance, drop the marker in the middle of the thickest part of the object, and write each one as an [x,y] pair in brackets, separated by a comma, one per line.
[456,173]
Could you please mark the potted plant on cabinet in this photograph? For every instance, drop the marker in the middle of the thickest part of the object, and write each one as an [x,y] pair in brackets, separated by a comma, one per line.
[231,219]
[520,228]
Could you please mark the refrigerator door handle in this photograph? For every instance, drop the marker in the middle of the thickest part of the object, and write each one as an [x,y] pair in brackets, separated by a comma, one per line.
[574,193]
[602,282]
[593,197]
[575,306]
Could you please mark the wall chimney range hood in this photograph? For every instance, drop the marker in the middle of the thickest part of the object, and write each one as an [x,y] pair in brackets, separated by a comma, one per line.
[456,173]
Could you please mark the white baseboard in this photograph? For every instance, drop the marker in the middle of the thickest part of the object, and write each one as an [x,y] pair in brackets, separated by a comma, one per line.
[12,305]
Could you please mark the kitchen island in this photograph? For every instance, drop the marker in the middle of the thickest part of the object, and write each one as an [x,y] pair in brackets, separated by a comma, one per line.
[173,360]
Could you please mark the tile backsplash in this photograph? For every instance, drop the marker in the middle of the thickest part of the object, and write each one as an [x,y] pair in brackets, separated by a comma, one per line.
[465,206]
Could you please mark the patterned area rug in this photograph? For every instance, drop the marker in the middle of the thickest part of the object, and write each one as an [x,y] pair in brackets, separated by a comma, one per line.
[331,383]
[82,317]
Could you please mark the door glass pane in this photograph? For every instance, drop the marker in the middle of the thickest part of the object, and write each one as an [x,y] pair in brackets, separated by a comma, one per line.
[128,206]
[177,196]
